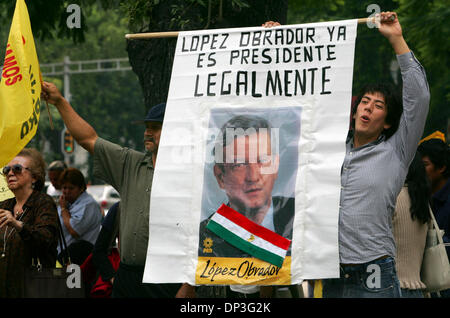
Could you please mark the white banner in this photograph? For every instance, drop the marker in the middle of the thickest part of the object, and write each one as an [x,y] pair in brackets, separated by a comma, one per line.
[257,119]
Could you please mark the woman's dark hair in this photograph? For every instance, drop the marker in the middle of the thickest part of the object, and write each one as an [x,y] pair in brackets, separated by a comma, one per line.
[393,103]
[419,190]
[73,176]
[438,152]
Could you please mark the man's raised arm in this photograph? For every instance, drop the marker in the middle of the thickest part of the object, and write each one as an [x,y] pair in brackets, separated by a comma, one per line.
[83,133]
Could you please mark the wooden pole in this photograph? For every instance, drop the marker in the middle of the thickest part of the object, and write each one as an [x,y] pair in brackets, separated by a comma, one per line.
[46,103]
[152,35]
[174,34]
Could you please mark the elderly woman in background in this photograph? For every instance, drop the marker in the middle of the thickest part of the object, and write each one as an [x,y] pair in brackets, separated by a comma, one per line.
[28,222]
[80,215]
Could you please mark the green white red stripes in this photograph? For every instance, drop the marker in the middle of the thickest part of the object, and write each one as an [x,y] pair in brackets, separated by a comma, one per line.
[248,236]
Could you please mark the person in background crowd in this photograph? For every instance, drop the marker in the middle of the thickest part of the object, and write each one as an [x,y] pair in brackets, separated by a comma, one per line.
[28,222]
[105,246]
[410,224]
[80,216]
[436,158]
[54,171]
[101,265]
[131,173]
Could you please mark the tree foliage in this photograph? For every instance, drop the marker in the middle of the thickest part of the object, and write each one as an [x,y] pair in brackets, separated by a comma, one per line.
[48,18]
[152,59]
[373,53]
[428,30]
[424,28]
[109,101]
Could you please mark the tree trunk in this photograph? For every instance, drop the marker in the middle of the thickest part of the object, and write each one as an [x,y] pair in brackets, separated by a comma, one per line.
[152,59]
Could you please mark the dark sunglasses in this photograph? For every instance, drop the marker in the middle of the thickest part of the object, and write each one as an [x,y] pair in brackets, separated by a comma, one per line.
[16,169]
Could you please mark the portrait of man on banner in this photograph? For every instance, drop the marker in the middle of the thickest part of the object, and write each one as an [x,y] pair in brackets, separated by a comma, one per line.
[252,169]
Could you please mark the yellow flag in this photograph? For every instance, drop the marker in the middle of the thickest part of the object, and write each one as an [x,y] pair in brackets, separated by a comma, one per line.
[5,193]
[20,87]
[318,287]
[436,135]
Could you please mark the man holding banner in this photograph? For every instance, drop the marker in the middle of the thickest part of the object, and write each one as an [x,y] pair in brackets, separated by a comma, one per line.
[131,173]
[380,147]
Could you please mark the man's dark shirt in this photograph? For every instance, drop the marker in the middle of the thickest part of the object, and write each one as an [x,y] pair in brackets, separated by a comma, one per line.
[441,210]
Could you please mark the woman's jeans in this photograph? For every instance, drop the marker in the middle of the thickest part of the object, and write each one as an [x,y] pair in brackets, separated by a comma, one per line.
[375,279]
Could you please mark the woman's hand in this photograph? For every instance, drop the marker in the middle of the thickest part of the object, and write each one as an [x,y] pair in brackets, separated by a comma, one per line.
[65,213]
[62,202]
[7,218]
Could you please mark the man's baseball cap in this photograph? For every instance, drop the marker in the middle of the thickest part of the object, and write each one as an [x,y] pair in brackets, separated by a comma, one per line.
[156,113]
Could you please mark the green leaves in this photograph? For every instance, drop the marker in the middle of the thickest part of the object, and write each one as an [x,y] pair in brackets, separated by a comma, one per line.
[426,29]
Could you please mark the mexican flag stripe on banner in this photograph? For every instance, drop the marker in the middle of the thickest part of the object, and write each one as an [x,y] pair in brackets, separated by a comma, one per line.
[248,236]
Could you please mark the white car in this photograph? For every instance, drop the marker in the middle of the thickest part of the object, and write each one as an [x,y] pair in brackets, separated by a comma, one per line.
[105,195]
